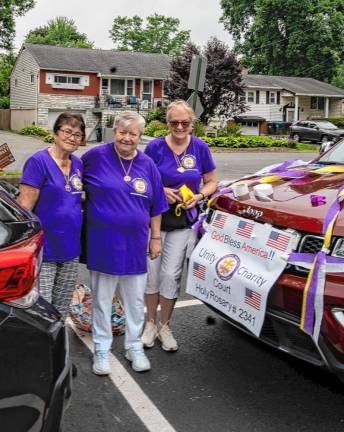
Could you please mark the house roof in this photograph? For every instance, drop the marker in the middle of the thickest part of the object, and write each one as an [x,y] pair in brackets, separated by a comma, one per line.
[105,62]
[298,86]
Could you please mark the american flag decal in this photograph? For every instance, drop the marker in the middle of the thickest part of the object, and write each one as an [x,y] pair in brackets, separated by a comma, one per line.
[278,241]
[245,229]
[252,298]
[219,220]
[198,270]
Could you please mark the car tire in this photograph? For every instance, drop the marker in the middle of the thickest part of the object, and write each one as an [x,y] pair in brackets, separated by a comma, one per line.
[296,137]
[324,139]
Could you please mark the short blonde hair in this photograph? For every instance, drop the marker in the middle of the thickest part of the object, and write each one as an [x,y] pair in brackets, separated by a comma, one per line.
[129,117]
[181,104]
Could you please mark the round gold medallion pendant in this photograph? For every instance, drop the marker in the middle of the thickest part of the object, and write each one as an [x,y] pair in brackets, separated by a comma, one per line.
[181,169]
[127,178]
[68,188]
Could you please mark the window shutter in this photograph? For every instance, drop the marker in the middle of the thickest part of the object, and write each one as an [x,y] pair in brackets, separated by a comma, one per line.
[267,97]
[257,96]
[278,98]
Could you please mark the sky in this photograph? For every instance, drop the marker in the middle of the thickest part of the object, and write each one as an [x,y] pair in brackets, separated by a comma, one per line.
[95,18]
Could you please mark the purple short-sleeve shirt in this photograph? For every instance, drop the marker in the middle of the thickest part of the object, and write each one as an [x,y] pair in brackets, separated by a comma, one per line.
[196,161]
[58,210]
[117,212]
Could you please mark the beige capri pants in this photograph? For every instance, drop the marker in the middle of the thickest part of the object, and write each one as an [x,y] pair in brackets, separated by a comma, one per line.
[165,272]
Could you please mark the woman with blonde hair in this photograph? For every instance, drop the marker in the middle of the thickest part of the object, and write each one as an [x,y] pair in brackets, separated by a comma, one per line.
[185,163]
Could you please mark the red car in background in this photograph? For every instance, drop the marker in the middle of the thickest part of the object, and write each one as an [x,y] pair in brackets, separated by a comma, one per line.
[291,208]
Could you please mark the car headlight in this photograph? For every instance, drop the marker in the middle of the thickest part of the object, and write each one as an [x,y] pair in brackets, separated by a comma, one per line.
[338,250]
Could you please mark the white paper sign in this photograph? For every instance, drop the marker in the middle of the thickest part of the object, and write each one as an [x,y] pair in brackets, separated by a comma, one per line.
[235,264]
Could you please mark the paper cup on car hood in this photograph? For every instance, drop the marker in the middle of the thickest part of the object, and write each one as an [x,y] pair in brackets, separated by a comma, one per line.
[263,191]
[240,190]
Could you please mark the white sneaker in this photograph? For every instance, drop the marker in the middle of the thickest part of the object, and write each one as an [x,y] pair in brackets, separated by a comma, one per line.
[101,364]
[165,335]
[138,359]
[150,333]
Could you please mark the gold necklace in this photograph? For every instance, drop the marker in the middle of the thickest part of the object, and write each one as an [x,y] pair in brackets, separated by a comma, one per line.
[126,177]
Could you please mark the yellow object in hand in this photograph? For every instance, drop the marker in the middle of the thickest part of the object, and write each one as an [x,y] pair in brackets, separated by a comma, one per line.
[186,194]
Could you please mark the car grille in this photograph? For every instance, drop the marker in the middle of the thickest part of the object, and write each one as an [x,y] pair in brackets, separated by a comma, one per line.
[309,244]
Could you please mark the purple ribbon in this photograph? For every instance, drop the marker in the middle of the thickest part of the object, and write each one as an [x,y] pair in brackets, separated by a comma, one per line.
[282,166]
[318,200]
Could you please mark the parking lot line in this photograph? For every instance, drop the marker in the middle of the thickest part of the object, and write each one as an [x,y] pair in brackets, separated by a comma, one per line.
[141,404]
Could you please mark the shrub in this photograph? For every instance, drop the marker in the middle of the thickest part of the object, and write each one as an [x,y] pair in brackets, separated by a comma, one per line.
[34,131]
[153,126]
[160,132]
[49,138]
[4,102]
[230,130]
[198,128]
[338,121]
[248,142]
[155,114]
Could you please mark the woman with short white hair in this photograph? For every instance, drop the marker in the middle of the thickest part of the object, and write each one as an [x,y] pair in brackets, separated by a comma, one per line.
[124,198]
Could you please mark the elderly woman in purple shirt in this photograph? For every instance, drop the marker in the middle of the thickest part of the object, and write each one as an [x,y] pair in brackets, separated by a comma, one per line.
[51,186]
[124,198]
[182,160]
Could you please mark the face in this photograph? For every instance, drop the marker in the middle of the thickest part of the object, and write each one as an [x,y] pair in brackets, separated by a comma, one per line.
[68,138]
[179,123]
[127,138]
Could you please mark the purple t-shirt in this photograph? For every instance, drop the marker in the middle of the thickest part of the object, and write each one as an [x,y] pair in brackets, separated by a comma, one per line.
[196,161]
[58,210]
[117,212]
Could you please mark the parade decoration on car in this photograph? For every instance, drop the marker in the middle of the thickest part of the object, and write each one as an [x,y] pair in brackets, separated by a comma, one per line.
[318,264]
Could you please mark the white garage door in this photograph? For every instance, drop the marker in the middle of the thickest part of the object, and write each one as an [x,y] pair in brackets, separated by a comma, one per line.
[250,129]
[52,116]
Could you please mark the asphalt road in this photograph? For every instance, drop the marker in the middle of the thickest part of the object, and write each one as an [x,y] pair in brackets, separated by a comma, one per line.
[220,380]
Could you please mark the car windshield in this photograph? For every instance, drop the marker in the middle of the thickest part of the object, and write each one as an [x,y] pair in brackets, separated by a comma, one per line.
[326,125]
[334,155]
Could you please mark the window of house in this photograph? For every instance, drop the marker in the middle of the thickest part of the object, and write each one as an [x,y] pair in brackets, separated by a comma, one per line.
[317,102]
[15,82]
[32,78]
[105,84]
[272,98]
[117,87]
[242,97]
[250,96]
[130,87]
[65,79]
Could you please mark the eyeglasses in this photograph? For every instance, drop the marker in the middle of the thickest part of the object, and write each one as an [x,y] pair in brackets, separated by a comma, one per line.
[68,134]
[176,123]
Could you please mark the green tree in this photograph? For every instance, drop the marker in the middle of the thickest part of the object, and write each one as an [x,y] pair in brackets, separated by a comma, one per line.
[61,31]
[338,79]
[223,81]
[9,10]
[160,34]
[287,37]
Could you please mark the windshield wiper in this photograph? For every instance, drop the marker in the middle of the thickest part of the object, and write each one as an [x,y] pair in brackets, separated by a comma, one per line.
[330,162]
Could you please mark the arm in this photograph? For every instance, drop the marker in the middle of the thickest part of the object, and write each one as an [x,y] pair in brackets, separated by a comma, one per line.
[28,196]
[208,188]
[155,240]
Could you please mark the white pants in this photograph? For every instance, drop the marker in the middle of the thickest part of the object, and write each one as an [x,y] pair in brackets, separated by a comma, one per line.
[165,272]
[131,291]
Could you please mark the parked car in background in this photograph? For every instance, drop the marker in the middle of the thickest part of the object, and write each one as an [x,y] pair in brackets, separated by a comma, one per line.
[291,209]
[35,367]
[315,131]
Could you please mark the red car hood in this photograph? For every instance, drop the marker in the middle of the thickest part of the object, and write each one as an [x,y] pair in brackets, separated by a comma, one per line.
[291,205]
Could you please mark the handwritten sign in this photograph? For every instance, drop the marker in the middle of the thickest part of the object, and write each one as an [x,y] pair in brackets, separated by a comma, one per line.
[235,265]
[6,156]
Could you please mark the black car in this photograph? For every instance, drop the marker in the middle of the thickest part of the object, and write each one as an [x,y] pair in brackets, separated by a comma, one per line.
[315,131]
[35,367]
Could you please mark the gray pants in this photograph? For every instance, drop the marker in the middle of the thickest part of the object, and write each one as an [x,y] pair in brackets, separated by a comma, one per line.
[57,282]
[165,272]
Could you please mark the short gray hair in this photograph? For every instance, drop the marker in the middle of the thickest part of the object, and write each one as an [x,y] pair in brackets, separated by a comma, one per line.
[129,117]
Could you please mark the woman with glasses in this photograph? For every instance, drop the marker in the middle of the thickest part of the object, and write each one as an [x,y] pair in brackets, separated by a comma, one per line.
[51,187]
[183,160]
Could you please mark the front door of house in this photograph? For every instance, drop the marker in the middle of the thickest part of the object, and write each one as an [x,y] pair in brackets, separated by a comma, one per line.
[147,87]
[290,115]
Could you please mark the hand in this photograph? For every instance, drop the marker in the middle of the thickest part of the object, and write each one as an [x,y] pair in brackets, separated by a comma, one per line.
[172,195]
[154,248]
[192,202]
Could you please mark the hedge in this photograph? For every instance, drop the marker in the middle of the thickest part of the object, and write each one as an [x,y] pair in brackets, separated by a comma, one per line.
[34,131]
[247,142]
